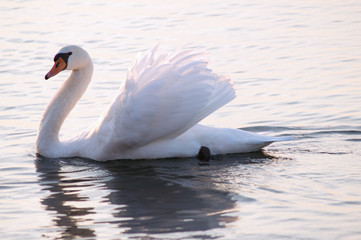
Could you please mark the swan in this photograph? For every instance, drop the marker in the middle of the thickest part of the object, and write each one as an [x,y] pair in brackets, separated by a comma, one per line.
[154,115]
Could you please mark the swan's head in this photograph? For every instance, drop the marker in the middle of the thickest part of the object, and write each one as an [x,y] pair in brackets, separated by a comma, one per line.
[68,58]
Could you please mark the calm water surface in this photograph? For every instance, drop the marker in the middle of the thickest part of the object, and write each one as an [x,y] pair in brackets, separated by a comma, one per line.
[296,66]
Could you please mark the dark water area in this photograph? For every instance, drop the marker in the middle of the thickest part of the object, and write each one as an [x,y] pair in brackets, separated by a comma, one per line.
[155,198]
[296,68]
[146,197]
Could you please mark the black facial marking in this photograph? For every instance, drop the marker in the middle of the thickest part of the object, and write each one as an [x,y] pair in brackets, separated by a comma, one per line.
[64,56]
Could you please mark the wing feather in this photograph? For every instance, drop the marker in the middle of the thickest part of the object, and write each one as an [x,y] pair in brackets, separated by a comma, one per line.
[163,97]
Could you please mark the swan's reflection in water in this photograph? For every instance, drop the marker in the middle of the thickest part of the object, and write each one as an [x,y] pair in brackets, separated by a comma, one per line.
[136,198]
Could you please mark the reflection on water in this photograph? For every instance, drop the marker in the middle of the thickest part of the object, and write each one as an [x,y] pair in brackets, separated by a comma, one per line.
[61,194]
[143,197]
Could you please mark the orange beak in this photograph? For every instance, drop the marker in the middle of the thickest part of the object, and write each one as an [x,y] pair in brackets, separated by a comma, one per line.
[59,65]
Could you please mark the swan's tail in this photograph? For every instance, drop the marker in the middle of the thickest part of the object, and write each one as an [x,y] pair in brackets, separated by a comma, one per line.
[278,139]
[269,140]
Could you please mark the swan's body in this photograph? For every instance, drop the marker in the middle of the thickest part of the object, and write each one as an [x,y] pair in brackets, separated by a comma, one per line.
[155,115]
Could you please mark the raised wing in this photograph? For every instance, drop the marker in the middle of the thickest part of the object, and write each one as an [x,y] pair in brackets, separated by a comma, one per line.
[164,95]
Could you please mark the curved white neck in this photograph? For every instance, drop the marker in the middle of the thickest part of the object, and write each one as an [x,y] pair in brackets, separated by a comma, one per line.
[59,108]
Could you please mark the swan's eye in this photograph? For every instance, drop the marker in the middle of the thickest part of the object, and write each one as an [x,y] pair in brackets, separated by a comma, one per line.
[70,53]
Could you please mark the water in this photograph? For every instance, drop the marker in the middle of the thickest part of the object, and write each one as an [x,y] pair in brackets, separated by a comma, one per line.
[296,67]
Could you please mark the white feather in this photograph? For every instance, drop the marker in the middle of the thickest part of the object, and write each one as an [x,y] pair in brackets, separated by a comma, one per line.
[155,114]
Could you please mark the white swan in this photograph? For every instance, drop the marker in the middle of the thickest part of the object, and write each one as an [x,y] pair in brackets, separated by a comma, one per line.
[155,115]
